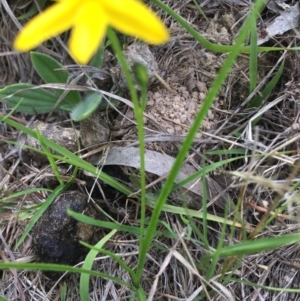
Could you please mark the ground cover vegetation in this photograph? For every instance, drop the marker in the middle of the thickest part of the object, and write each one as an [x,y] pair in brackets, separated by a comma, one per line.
[151,172]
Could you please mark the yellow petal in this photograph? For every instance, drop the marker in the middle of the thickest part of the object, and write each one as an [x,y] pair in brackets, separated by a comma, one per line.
[136,19]
[53,21]
[88,32]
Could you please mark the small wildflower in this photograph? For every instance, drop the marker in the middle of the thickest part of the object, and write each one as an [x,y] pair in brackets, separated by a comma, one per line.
[89,20]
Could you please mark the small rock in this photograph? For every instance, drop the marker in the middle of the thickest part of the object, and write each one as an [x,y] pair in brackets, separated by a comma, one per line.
[94,130]
[201,86]
[136,53]
[150,103]
[201,96]
[178,129]
[66,137]
[170,131]
[183,118]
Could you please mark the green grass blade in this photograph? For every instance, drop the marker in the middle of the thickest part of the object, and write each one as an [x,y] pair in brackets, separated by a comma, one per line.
[63,294]
[204,211]
[59,268]
[140,294]
[102,224]
[253,54]
[49,157]
[227,152]
[112,255]
[212,94]
[194,213]
[256,246]
[205,170]
[24,192]
[39,213]
[138,111]
[258,100]
[167,208]
[270,288]
[88,263]
[200,10]
[211,46]
[214,262]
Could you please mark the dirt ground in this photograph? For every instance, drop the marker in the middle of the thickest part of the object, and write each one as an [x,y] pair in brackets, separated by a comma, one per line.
[181,73]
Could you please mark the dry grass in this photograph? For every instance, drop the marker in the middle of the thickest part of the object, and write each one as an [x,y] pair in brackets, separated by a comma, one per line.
[262,183]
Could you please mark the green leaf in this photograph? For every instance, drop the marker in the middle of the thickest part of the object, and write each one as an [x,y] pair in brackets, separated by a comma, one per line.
[86,107]
[98,58]
[47,68]
[34,100]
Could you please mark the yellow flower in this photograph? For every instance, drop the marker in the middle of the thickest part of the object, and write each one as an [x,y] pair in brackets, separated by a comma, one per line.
[89,20]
